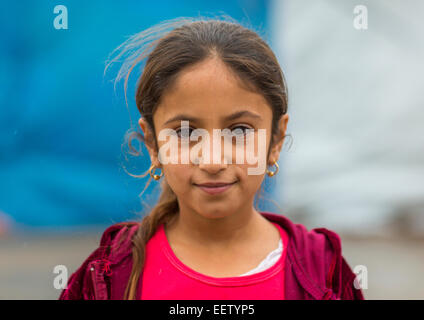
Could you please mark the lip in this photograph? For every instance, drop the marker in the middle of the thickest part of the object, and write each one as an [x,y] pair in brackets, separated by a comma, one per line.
[215,187]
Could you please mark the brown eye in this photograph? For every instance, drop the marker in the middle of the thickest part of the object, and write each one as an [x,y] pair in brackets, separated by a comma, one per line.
[184,133]
[240,130]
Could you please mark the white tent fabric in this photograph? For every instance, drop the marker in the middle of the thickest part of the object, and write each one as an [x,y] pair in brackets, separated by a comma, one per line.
[356,109]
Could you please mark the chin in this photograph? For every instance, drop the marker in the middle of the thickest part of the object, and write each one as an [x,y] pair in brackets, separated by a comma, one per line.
[215,213]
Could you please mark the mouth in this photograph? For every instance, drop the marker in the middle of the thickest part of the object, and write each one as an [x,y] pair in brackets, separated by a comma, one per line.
[213,188]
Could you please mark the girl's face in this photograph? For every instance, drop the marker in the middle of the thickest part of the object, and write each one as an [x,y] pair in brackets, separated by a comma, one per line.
[210,97]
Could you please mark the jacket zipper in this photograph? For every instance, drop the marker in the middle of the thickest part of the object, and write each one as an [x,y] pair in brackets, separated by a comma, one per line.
[100,267]
[93,278]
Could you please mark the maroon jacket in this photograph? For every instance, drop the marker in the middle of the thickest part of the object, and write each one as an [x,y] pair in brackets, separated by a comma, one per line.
[315,268]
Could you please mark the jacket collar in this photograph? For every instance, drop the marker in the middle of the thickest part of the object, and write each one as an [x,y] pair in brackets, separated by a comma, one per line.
[309,253]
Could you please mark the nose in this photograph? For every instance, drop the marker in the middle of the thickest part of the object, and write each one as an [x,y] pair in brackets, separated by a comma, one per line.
[212,168]
[206,161]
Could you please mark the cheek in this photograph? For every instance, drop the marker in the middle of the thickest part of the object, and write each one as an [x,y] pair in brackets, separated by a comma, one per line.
[249,183]
[178,176]
[252,171]
[251,156]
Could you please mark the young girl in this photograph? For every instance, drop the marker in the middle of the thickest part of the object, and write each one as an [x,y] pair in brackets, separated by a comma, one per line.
[204,239]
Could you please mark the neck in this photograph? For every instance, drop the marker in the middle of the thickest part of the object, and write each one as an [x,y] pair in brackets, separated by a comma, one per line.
[193,228]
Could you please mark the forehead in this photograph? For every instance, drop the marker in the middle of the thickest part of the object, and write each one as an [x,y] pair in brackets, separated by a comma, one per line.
[209,90]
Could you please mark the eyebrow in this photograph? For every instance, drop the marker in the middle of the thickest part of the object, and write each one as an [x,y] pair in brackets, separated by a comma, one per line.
[230,117]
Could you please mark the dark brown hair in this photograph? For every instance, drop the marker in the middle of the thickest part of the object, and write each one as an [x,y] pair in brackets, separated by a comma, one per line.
[191,41]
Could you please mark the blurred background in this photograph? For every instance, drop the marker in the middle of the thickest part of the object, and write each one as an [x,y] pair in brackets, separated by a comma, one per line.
[355,163]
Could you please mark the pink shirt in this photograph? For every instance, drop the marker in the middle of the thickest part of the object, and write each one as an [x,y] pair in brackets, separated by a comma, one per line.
[165,277]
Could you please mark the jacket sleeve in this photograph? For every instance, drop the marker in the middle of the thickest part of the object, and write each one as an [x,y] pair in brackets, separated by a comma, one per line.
[340,277]
[349,291]
[80,285]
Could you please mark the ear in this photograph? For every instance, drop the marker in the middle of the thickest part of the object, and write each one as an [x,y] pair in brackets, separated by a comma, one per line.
[149,140]
[279,138]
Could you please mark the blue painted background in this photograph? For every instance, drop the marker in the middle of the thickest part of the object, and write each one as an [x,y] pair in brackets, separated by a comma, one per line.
[61,124]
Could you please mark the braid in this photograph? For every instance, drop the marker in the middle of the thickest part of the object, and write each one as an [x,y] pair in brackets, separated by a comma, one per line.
[165,210]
